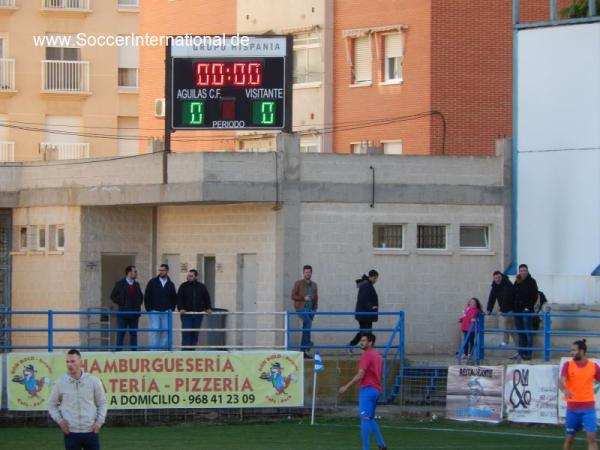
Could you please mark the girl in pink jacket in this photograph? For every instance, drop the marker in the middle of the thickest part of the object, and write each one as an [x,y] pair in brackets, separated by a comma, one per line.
[470,313]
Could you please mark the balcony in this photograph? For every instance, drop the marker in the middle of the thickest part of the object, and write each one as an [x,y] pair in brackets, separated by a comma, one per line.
[52,151]
[66,77]
[82,6]
[7,151]
[7,75]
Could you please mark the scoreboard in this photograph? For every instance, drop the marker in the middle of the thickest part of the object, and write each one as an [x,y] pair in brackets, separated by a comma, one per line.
[230,87]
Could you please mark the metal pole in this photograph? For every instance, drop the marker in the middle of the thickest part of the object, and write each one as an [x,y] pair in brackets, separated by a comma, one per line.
[515,17]
[168,113]
[312,414]
[170,330]
[552,10]
[50,331]
[592,8]
[372,187]
[480,332]
[547,330]
[286,342]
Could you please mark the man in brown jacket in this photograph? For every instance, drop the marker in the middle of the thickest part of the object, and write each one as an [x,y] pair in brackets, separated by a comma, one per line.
[306,299]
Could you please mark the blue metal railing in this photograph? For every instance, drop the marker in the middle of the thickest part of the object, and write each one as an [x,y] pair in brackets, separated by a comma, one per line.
[52,330]
[393,353]
[546,331]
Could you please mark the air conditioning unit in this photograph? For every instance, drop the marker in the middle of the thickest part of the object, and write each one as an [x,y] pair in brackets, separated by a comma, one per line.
[159,107]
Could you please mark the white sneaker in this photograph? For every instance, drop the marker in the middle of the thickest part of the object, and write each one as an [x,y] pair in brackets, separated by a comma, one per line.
[503,344]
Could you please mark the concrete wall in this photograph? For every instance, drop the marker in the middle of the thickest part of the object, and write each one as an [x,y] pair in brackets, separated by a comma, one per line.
[46,279]
[559,158]
[431,286]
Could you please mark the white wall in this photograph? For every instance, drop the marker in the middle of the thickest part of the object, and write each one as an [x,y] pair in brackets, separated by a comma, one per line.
[559,159]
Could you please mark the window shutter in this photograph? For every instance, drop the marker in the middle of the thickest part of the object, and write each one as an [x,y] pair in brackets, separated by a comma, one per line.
[393,45]
[362,59]
[128,57]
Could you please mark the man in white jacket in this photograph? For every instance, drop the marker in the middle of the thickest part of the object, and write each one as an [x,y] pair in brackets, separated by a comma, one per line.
[78,405]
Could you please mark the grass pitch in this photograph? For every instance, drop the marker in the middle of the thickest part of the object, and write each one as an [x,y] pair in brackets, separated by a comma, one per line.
[342,434]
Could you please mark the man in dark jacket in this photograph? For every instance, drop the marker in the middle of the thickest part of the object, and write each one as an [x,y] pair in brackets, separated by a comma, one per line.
[192,297]
[502,292]
[160,297]
[526,293]
[367,301]
[127,294]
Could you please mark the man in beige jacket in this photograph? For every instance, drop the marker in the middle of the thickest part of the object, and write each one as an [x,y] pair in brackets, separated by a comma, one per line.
[78,405]
[306,299]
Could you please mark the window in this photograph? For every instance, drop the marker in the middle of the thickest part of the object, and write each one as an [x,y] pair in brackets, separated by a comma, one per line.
[23,238]
[128,66]
[393,57]
[310,144]
[431,236]
[362,60]
[387,236]
[392,147]
[472,236]
[41,237]
[63,54]
[307,58]
[60,237]
[128,4]
[358,147]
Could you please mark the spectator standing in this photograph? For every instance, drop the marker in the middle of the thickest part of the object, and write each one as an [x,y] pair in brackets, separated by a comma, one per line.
[192,297]
[470,314]
[305,295]
[77,404]
[127,294]
[526,294]
[502,292]
[160,296]
[367,301]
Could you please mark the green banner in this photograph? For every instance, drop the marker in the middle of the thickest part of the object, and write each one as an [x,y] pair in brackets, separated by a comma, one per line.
[147,380]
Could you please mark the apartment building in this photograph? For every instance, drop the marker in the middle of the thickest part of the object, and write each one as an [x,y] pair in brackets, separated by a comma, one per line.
[63,94]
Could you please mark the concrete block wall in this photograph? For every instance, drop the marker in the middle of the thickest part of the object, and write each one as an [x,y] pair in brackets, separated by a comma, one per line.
[38,276]
[431,287]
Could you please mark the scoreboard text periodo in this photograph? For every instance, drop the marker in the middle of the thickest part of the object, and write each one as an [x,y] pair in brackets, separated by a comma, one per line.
[228,87]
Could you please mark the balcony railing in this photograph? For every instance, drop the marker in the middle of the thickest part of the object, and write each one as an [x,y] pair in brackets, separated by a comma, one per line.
[8,4]
[7,74]
[65,76]
[52,151]
[73,5]
[7,151]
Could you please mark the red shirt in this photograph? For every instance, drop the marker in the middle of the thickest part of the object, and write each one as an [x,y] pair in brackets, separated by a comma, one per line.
[573,385]
[372,363]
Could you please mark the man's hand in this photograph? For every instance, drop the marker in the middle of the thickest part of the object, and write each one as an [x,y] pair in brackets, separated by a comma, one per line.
[208,311]
[568,393]
[182,311]
[95,428]
[343,390]
[64,426]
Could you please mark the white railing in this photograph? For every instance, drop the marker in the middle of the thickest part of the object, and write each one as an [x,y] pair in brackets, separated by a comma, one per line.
[7,151]
[8,3]
[7,74]
[65,76]
[52,151]
[66,4]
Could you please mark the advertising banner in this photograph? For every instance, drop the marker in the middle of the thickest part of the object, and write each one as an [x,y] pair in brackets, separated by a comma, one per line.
[562,403]
[531,393]
[146,380]
[475,393]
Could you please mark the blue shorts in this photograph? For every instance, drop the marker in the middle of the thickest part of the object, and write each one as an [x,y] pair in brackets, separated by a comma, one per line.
[578,419]
[367,401]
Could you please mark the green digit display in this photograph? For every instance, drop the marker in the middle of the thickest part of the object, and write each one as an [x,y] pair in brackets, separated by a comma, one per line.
[263,113]
[193,113]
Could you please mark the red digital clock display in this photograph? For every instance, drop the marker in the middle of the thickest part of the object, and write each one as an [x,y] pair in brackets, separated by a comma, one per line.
[237,74]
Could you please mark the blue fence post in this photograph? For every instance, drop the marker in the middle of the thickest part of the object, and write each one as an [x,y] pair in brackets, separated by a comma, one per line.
[50,331]
[480,335]
[287,330]
[547,330]
[170,330]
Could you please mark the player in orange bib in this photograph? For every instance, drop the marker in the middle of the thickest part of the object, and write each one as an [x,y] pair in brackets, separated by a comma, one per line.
[577,383]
